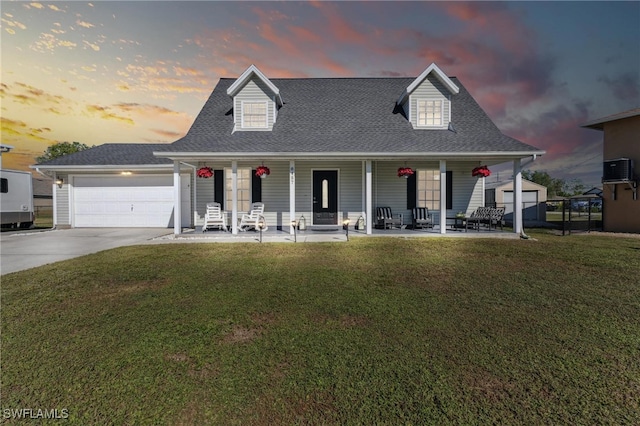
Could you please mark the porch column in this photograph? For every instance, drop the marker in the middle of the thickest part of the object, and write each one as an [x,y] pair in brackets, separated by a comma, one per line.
[443,196]
[292,195]
[369,196]
[234,197]
[517,196]
[177,201]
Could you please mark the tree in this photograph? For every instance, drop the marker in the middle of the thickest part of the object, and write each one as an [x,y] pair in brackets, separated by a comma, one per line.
[555,186]
[60,149]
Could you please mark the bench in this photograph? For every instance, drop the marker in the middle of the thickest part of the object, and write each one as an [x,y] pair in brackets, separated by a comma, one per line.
[488,216]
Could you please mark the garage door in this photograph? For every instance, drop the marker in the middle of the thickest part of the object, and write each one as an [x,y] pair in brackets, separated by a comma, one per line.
[529,204]
[128,201]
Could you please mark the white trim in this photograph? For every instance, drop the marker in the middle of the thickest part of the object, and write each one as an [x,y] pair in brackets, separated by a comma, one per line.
[246,76]
[470,155]
[292,195]
[234,197]
[439,74]
[443,196]
[266,115]
[177,199]
[442,124]
[369,207]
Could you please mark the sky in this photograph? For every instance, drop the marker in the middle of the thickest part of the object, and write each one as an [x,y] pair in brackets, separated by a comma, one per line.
[140,71]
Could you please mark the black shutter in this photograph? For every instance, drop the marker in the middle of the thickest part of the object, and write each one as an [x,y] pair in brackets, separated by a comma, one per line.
[411,192]
[256,188]
[218,187]
[449,190]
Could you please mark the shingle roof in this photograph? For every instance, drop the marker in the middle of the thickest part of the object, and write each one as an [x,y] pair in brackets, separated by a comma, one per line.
[113,154]
[344,115]
[320,115]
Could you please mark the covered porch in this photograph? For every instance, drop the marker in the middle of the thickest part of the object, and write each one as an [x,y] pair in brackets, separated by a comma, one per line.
[326,192]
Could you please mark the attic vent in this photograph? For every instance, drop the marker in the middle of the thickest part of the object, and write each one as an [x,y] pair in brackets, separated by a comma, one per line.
[619,170]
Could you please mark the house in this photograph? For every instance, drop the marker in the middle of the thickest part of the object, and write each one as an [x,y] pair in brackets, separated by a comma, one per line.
[333,147]
[621,151]
[534,199]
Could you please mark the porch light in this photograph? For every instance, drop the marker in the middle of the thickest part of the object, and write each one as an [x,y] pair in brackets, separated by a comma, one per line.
[293,225]
[260,228]
[345,226]
[59,182]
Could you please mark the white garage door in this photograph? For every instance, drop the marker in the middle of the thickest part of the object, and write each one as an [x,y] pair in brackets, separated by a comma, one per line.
[128,201]
[529,204]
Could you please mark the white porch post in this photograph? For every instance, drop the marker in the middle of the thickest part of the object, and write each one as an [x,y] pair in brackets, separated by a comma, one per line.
[369,196]
[54,192]
[292,195]
[234,197]
[177,201]
[443,196]
[517,196]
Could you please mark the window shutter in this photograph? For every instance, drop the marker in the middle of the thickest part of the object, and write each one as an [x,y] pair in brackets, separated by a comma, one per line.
[256,188]
[449,190]
[412,194]
[218,187]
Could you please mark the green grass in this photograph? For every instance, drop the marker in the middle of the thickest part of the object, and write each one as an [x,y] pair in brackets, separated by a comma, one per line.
[374,331]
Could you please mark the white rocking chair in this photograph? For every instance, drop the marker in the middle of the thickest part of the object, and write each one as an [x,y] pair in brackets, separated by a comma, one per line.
[253,219]
[214,217]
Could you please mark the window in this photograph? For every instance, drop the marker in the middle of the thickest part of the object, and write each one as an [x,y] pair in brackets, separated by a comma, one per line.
[244,189]
[4,185]
[429,189]
[430,113]
[254,115]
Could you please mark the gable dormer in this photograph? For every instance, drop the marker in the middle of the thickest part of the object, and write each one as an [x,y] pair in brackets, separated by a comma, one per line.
[255,101]
[427,100]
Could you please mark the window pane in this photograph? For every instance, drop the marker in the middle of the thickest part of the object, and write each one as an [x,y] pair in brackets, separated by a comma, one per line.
[244,189]
[254,114]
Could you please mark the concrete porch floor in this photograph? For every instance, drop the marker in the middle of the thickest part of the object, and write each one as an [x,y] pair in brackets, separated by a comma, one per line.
[309,235]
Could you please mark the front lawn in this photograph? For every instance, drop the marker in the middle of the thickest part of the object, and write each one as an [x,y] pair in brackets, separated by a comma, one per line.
[377,330]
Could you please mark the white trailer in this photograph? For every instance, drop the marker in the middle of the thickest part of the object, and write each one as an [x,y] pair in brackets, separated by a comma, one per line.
[16,199]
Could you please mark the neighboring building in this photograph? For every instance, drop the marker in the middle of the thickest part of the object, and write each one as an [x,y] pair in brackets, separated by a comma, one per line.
[621,203]
[534,199]
[333,147]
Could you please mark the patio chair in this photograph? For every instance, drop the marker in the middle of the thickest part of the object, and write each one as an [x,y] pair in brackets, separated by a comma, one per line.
[421,218]
[253,218]
[496,216]
[214,217]
[385,218]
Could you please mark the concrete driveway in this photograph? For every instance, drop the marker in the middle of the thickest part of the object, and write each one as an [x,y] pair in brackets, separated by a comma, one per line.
[24,250]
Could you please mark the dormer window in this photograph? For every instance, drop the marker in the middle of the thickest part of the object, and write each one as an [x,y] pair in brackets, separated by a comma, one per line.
[254,115]
[430,112]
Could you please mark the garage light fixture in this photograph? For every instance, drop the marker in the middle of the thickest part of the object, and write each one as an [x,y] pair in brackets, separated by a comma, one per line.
[59,182]
[127,173]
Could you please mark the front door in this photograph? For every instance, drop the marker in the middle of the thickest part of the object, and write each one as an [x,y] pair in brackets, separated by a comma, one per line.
[325,197]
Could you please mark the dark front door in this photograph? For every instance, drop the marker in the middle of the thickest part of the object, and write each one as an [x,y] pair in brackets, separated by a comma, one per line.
[325,197]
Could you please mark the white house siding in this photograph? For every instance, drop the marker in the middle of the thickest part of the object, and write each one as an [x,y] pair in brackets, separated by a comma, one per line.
[430,88]
[391,191]
[62,202]
[275,190]
[255,90]
[388,189]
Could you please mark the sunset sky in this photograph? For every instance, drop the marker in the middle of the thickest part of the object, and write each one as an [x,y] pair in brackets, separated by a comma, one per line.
[97,72]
